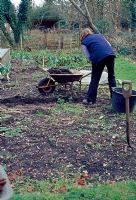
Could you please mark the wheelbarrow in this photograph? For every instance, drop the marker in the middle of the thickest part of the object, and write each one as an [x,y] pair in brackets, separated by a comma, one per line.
[48,84]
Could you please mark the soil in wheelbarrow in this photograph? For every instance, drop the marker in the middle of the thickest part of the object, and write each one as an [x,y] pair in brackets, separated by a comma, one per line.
[59,71]
[57,136]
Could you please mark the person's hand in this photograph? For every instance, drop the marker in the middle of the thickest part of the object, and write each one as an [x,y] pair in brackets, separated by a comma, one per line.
[2,183]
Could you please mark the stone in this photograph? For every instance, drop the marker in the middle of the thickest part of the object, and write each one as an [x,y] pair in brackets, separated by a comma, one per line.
[87,79]
[7,192]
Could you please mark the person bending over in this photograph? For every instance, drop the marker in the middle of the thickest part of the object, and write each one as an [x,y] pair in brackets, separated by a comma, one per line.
[99,51]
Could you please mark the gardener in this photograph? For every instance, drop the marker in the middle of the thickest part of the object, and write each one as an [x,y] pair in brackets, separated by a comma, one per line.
[99,51]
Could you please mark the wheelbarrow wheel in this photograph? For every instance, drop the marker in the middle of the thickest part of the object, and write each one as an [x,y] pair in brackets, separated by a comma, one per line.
[46,86]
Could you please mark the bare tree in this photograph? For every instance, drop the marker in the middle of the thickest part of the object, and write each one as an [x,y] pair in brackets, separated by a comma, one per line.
[85,13]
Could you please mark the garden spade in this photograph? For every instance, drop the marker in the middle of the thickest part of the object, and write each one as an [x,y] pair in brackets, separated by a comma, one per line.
[127,92]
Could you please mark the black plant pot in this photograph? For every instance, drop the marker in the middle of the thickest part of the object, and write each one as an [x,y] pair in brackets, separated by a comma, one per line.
[118,100]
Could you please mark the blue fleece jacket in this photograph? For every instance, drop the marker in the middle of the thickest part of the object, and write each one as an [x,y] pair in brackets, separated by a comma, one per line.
[98,47]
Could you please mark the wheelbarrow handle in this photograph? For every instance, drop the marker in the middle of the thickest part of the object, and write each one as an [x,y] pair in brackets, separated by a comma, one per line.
[127,92]
[89,73]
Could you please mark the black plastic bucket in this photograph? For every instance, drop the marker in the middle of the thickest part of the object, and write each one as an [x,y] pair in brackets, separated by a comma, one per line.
[118,100]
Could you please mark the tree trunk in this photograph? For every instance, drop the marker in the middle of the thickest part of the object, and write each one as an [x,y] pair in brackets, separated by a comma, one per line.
[86,15]
[7,36]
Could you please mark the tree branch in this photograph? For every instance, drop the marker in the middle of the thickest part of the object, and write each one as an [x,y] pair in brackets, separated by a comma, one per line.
[85,14]
[78,8]
[89,18]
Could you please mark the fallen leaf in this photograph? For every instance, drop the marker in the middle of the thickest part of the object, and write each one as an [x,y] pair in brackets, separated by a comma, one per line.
[30,188]
[63,188]
[81,181]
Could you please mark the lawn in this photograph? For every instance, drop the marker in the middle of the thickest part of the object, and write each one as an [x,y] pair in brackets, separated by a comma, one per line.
[112,191]
[125,69]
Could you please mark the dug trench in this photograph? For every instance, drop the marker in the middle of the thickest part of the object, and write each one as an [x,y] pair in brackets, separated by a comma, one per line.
[21,100]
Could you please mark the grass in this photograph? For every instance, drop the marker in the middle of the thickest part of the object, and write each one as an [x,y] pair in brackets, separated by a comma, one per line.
[68,108]
[125,70]
[11,132]
[39,190]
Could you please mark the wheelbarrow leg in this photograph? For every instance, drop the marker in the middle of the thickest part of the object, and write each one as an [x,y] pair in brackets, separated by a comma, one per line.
[71,87]
[80,86]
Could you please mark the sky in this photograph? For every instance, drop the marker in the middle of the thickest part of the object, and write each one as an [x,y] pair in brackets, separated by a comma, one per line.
[37,2]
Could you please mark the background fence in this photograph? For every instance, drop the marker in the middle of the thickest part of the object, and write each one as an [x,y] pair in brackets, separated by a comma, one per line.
[52,39]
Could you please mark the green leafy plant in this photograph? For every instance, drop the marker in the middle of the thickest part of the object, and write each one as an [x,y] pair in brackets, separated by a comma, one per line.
[21,54]
[5,69]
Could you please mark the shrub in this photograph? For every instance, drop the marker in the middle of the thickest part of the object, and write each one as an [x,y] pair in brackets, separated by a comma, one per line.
[125,43]
[104,26]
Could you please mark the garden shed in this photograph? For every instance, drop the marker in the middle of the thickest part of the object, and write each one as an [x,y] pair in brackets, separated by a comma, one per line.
[44,23]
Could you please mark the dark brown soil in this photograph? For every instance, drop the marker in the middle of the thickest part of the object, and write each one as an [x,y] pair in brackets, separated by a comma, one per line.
[55,135]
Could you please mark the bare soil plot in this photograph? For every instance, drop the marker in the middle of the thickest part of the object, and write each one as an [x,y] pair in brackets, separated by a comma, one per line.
[43,137]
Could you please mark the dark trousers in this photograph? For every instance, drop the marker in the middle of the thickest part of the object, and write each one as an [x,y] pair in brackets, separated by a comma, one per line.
[97,70]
